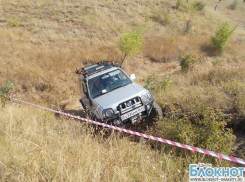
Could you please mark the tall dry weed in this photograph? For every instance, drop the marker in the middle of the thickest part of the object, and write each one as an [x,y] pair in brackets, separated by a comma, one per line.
[37,146]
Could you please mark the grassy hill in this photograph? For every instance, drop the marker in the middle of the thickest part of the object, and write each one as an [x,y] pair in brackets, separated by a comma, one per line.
[42,42]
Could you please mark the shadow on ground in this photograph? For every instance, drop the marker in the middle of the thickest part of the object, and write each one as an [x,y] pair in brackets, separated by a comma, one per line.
[239,148]
[209,50]
[80,113]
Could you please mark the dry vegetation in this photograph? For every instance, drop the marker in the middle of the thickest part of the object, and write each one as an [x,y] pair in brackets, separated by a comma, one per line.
[40,147]
[43,41]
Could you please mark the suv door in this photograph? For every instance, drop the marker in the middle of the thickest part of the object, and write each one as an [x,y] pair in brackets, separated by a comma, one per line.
[86,102]
[84,92]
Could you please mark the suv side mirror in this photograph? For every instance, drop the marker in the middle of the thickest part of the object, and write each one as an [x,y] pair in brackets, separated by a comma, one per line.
[132,76]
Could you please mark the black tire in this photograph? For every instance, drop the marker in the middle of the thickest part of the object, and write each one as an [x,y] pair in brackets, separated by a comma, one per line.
[156,113]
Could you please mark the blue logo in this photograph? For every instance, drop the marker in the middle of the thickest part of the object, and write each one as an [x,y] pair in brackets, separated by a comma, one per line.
[205,172]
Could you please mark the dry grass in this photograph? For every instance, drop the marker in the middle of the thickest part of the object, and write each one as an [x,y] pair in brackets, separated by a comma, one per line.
[40,147]
[201,89]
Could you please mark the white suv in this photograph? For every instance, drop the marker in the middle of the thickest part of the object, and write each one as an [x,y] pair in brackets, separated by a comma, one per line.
[112,96]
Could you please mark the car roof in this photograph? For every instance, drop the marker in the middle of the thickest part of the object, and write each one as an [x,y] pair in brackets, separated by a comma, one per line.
[95,68]
[102,72]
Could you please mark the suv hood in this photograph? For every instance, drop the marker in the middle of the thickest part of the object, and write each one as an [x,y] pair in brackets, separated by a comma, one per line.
[115,97]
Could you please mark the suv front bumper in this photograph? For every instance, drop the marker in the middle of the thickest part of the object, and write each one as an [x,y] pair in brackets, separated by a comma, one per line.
[134,115]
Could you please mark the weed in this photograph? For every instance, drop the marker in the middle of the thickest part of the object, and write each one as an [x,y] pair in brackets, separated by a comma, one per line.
[173,40]
[189,8]
[188,27]
[161,17]
[157,85]
[182,7]
[166,82]
[147,19]
[166,19]
[186,7]
[234,5]
[150,82]
[4,91]
[178,4]
[188,61]
[199,5]
[235,90]
[14,22]
[216,63]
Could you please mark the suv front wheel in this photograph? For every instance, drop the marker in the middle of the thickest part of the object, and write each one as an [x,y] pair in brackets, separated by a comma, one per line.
[156,113]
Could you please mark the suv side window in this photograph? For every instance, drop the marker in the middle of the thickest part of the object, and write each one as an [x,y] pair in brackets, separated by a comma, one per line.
[82,86]
[122,76]
[85,90]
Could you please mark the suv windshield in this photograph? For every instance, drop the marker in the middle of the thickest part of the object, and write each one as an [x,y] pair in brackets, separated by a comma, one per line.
[107,82]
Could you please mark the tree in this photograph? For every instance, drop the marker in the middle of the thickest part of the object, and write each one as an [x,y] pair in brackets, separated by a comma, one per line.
[222,35]
[130,43]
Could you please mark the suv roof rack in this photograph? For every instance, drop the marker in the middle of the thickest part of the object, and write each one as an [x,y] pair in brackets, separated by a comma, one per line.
[95,68]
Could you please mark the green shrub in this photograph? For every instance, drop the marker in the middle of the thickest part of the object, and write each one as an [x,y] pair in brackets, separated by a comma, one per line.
[166,19]
[166,82]
[130,43]
[189,8]
[4,91]
[234,5]
[157,85]
[186,7]
[199,5]
[187,62]
[188,27]
[205,129]
[161,17]
[15,22]
[235,89]
[178,4]
[221,37]
[150,82]
[216,63]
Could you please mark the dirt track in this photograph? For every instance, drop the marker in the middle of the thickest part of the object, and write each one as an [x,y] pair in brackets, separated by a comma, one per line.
[239,149]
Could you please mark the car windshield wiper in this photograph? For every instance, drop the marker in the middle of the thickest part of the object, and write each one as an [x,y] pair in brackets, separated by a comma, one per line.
[118,87]
[99,95]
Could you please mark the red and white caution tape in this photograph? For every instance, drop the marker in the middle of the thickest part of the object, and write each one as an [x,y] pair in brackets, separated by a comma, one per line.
[196,149]
[220,68]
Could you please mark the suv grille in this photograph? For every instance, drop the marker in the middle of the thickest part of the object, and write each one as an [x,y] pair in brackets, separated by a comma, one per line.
[129,105]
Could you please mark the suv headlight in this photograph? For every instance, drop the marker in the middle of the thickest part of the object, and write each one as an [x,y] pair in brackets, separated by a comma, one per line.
[108,113]
[146,96]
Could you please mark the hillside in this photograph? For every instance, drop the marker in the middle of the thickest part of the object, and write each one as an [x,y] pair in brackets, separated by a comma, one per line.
[42,42]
